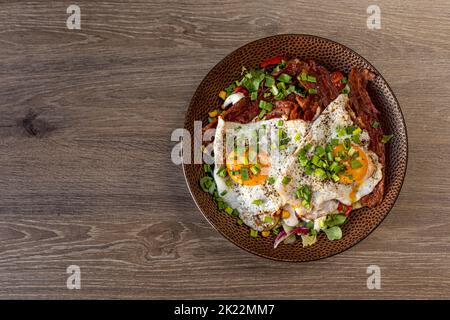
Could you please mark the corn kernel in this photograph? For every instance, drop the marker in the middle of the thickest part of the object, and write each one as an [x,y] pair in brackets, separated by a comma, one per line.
[286,214]
[213,113]
[222,95]
[265,233]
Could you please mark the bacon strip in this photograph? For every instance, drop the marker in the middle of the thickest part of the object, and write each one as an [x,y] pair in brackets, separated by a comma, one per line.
[242,111]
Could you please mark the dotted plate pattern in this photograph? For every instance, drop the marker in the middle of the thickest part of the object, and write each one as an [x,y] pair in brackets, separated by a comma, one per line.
[333,56]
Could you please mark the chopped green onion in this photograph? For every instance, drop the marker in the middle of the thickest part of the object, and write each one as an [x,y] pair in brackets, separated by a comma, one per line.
[320,151]
[207,168]
[265,105]
[329,156]
[347,144]
[357,131]
[320,173]
[309,170]
[335,177]
[297,137]
[375,124]
[254,95]
[274,90]
[270,81]
[303,161]
[207,184]
[255,169]
[280,122]
[240,222]
[268,219]
[279,96]
[355,164]
[323,164]
[266,94]
[311,79]
[312,91]
[302,77]
[262,114]
[386,138]
[211,119]
[253,233]
[351,151]
[270,180]
[244,174]
[224,192]
[228,182]
[334,142]
[281,86]
[286,180]
[229,210]
[284,78]
[290,89]
[315,160]
[280,132]
[346,89]
[344,80]
[356,139]
[350,129]
[235,172]
[222,172]
[257,202]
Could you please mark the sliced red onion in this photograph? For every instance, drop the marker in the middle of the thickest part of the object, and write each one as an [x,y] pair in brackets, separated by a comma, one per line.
[233,98]
[281,236]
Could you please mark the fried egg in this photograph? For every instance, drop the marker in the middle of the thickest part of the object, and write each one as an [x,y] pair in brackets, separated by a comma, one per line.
[359,172]
[248,159]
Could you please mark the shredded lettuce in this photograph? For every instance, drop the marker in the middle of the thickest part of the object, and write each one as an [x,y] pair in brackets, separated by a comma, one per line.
[308,240]
[333,233]
[335,220]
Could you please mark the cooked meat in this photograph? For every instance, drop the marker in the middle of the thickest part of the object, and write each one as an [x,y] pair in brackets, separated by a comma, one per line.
[293,68]
[281,108]
[242,111]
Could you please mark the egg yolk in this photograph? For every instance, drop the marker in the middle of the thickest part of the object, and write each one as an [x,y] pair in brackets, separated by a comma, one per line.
[356,174]
[255,176]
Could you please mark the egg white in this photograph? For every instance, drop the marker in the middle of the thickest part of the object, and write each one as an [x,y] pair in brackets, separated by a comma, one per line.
[326,194]
[241,197]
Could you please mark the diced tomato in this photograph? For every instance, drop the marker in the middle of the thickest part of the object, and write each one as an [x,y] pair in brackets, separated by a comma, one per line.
[302,230]
[241,90]
[344,209]
[272,61]
[348,210]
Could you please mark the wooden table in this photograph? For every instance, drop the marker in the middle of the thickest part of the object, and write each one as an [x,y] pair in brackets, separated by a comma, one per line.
[86,176]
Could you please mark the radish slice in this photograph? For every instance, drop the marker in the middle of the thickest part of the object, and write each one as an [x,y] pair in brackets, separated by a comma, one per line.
[233,98]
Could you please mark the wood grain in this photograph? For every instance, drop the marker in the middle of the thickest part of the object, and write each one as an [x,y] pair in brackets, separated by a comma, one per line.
[85,170]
